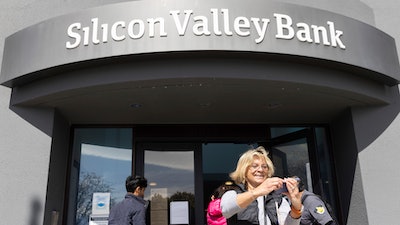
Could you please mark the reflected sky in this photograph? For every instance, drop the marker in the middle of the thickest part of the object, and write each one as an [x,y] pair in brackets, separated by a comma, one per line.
[111,163]
[166,159]
[175,160]
[171,170]
[106,152]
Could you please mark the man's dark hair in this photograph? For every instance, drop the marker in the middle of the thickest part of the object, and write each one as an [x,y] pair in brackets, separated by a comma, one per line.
[132,182]
[301,185]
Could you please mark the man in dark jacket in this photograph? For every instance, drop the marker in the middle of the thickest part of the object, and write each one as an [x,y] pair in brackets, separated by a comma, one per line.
[315,211]
[131,210]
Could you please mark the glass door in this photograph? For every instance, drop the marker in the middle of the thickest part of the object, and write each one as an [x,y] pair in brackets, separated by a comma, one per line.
[173,190]
[303,152]
[101,161]
[291,154]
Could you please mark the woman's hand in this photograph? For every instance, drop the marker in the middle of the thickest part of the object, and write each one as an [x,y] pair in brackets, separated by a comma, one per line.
[293,193]
[269,185]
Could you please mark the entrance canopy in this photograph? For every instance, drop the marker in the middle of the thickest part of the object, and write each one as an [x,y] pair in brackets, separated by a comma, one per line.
[210,62]
[143,27]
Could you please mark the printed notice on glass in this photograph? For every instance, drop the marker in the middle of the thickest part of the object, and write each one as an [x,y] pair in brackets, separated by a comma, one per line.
[179,212]
[101,203]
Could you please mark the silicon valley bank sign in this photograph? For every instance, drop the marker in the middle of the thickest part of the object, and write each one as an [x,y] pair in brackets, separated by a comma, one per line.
[154,27]
[218,23]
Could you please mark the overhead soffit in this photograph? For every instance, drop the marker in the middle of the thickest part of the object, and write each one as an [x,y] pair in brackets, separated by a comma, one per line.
[197,94]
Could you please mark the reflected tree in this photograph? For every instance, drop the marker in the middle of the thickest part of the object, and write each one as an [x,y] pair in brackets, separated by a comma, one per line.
[183,196]
[89,183]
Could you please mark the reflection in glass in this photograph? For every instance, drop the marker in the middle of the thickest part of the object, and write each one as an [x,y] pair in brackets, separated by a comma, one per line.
[292,159]
[230,152]
[279,131]
[170,175]
[105,162]
[111,164]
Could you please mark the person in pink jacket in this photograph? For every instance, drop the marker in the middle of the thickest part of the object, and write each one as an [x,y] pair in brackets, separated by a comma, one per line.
[214,213]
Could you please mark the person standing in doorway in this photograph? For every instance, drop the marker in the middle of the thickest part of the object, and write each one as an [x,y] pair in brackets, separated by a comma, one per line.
[214,213]
[131,210]
[316,211]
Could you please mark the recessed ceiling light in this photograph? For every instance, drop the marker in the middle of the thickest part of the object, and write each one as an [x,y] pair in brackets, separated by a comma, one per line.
[205,105]
[136,105]
[274,105]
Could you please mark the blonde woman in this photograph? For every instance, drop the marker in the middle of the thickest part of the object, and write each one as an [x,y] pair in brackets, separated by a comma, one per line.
[258,199]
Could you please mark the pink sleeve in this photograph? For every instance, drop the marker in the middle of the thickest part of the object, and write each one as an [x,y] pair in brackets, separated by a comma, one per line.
[214,208]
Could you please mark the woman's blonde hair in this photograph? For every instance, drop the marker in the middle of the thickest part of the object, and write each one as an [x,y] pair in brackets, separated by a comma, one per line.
[245,161]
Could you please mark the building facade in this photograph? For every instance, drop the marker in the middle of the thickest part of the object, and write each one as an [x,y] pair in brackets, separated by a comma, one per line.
[176,90]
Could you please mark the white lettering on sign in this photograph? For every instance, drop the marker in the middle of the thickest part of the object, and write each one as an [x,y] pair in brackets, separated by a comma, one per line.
[308,33]
[219,23]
